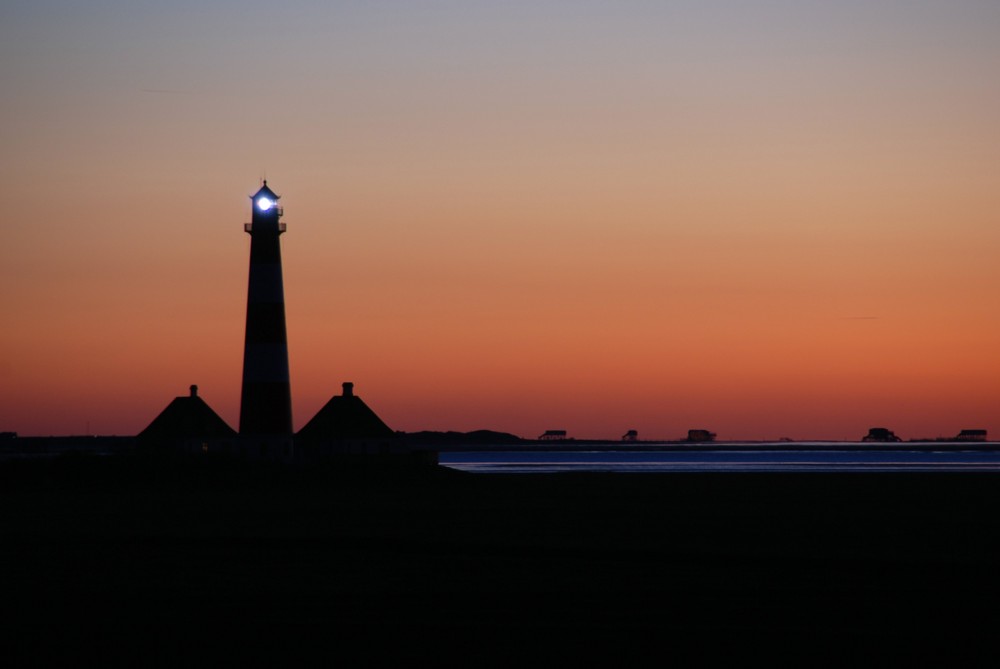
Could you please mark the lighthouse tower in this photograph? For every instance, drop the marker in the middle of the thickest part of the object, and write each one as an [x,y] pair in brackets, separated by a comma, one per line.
[266,402]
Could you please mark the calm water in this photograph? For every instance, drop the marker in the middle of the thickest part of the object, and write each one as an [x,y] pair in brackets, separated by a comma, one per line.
[743,459]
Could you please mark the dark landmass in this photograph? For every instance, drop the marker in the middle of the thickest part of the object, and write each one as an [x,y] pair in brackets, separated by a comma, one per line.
[14,446]
[135,561]
[99,445]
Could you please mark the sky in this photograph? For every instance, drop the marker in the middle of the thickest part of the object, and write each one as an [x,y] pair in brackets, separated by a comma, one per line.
[764,218]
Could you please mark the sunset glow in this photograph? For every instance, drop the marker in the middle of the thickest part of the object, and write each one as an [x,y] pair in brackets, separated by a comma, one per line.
[767,219]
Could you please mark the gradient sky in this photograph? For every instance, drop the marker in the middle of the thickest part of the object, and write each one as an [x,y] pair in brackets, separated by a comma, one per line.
[768,219]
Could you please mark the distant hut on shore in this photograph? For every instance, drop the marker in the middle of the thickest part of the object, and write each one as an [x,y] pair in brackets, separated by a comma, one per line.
[971,435]
[553,435]
[700,436]
[188,424]
[631,435]
[881,434]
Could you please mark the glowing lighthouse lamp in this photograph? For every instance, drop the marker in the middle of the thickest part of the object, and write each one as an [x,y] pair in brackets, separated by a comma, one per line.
[265,213]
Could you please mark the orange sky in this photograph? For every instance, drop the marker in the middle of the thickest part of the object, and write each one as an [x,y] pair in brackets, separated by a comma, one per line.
[767,219]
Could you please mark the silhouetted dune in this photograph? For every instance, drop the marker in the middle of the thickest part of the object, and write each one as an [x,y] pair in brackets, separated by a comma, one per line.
[450,438]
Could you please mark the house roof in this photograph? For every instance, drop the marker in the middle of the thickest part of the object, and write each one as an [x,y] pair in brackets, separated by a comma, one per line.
[187,418]
[264,190]
[345,417]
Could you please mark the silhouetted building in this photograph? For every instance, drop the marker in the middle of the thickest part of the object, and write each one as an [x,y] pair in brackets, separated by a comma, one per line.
[266,400]
[880,434]
[971,435]
[346,424]
[189,424]
[631,435]
[553,435]
[700,436]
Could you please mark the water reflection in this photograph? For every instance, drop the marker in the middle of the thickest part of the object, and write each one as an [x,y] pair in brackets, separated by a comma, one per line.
[742,460]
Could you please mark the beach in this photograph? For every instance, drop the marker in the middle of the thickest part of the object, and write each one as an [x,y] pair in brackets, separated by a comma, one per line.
[156,564]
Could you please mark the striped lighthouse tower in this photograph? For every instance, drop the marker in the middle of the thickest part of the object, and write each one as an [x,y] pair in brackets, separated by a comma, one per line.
[266,402]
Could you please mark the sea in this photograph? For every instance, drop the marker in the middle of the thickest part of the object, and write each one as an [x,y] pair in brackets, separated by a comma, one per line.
[777,457]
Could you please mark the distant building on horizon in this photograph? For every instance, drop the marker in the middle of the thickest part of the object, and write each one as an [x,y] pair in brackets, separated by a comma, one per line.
[700,436]
[880,434]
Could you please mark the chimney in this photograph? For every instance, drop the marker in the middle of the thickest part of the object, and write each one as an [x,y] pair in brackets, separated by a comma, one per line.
[348,389]
[194,390]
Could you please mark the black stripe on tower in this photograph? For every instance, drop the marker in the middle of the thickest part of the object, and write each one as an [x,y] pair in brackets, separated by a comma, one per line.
[266,402]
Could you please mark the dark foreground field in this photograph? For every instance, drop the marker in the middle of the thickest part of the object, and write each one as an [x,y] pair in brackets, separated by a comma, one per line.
[134,563]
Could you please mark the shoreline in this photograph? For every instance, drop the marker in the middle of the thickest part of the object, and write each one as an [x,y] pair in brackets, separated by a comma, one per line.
[55,445]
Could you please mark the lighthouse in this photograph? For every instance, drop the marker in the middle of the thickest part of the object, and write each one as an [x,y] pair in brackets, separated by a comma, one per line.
[266,400]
